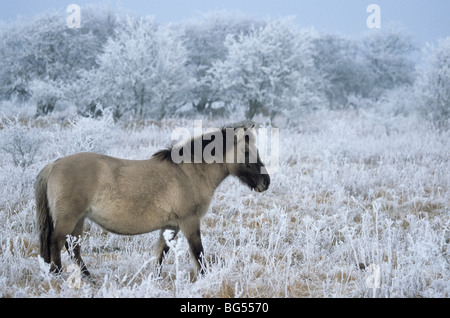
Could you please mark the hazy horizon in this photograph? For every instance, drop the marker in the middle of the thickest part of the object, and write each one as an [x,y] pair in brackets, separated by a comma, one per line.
[424,22]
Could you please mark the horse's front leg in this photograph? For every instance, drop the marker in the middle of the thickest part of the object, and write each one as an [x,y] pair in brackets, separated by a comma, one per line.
[191,229]
[163,248]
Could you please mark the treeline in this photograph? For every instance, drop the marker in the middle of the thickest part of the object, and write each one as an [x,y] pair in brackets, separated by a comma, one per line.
[216,64]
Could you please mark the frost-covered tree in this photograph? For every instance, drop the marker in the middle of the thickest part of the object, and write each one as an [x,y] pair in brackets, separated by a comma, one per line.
[386,54]
[134,66]
[204,39]
[363,67]
[434,85]
[44,48]
[270,69]
[141,71]
[337,61]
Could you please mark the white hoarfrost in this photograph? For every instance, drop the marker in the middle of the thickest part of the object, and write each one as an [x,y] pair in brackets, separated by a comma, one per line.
[358,207]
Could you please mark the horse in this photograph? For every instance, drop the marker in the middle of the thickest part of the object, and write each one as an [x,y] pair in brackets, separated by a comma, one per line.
[132,197]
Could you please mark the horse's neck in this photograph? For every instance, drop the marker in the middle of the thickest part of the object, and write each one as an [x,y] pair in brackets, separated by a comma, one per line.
[213,174]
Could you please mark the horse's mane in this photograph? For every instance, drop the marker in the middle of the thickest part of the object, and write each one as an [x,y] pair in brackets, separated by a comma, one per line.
[165,155]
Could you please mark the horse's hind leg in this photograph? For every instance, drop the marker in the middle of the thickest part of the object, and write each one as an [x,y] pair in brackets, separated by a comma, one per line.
[163,248]
[64,225]
[57,240]
[56,244]
[75,250]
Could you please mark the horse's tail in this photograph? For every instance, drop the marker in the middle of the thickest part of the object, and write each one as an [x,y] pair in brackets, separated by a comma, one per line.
[44,219]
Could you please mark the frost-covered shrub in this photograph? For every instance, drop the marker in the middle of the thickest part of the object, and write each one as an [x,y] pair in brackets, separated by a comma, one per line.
[20,146]
[84,134]
[16,108]
[45,94]
[20,142]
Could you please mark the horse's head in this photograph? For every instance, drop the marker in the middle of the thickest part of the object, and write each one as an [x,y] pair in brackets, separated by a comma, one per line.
[243,159]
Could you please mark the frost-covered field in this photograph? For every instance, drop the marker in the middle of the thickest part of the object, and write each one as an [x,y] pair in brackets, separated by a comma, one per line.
[360,200]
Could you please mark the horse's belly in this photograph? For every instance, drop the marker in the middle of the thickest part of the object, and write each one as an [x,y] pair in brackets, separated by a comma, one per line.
[127,222]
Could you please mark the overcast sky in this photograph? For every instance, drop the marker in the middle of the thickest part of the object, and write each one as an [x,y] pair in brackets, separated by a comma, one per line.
[426,20]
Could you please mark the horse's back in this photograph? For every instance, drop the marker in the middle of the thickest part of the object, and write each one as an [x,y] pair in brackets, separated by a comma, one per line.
[76,170]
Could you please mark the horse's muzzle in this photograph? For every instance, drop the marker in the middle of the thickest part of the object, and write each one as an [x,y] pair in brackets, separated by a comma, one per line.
[263,184]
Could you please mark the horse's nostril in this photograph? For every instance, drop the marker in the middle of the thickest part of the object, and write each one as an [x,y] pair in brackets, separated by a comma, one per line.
[265,184]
